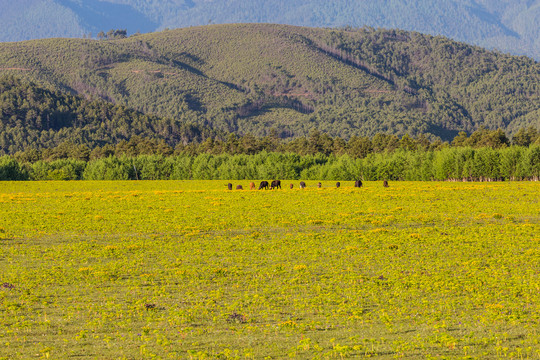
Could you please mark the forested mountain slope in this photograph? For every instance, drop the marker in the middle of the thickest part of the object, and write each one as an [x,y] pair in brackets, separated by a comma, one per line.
[253,78]
[32,117]
[508,25]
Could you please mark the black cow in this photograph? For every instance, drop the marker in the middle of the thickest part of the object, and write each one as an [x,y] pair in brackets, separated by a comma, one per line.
[276,184]
[302,185]
[263,185]
[385,183]
[338,184]
[319,185]
[358,183]
[229,186]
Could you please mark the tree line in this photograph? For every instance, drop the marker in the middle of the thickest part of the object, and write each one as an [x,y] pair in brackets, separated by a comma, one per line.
[447,163]
[316,143]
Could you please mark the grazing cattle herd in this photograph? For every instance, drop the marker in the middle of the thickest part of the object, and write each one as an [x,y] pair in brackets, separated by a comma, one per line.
[276,184]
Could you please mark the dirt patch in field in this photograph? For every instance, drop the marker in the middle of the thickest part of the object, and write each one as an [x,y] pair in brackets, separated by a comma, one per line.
[19,69]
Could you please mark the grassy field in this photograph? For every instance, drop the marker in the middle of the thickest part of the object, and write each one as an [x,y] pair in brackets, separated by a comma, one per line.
[179,269]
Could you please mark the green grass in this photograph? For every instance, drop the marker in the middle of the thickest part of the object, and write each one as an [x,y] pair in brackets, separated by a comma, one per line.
[179,269]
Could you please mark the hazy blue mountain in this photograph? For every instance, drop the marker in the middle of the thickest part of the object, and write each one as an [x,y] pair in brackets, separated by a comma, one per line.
[98,15]
[34,19]
[507,25]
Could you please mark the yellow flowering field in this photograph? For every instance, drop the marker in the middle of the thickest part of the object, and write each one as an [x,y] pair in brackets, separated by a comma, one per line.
[190,270]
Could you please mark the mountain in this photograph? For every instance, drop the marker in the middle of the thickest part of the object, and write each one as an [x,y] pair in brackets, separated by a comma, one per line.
[262,79]
[508,25]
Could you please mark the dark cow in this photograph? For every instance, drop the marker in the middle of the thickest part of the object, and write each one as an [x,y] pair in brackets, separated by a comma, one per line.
[263,185]
[229,186]
[239,187]
[385,183]
[358,183]
[276,184]
[319,185]
[338,184]
[291,186]
[302,185]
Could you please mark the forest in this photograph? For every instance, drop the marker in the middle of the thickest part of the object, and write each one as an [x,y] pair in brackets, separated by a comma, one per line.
[34,118]
[54,136]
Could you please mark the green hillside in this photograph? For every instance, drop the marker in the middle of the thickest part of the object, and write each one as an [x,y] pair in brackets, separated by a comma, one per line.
[255,78]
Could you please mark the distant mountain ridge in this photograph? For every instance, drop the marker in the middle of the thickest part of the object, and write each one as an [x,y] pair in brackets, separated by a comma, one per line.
[508,25]
[265,79]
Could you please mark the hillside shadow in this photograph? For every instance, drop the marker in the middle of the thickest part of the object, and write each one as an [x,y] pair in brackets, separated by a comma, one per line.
[103,16]
[444,133]
[489,18]
[184,66]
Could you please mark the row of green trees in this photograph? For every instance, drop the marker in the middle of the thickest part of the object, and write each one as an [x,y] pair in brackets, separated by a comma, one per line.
[459,163]
[316,143]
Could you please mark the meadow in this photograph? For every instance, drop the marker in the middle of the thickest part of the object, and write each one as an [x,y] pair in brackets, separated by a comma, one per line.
[187,269]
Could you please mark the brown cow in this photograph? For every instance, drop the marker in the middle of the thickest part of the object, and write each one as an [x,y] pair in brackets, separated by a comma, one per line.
[252,186]
[385,183]
[358,183]
[319,185]
[291,186]
[239,187]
